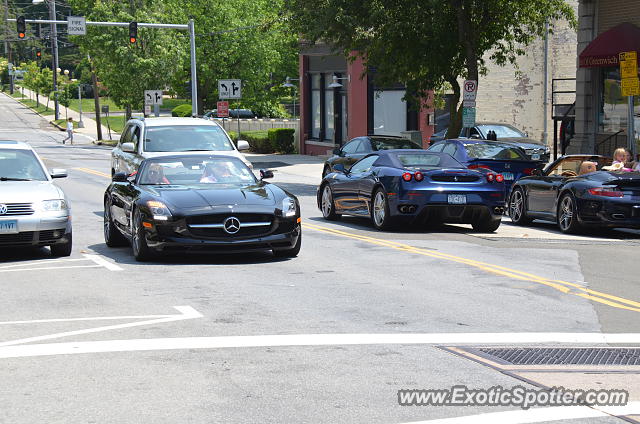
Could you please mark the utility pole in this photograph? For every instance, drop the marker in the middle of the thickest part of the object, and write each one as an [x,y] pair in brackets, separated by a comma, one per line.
[54,51]
[96,98]
[7,46]
[194,79]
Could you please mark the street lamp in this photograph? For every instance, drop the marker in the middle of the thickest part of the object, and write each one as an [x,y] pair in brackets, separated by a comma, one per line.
[336,84]
[287,84]
[54,51]
[66,72]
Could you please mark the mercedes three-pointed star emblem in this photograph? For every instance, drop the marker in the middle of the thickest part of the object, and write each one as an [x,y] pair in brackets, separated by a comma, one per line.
[231,225]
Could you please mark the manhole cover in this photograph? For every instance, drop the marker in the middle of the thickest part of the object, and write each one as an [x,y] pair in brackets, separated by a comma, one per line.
[562,356]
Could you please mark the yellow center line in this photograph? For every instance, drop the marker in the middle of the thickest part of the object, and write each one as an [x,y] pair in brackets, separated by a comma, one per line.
[562,286]
[94,172]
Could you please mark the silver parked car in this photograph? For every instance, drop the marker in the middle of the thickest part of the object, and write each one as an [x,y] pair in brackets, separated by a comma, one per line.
[154,137]
[33,211]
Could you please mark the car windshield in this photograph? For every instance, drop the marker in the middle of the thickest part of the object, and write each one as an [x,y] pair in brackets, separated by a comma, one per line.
[577,165]
[502,131]
[428,161]
[195,171]
[494,151]
[20,165]
[186,138]
[393,143]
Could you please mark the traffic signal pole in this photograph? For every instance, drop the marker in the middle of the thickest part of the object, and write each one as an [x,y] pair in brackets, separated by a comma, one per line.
[54,53]
[192,45]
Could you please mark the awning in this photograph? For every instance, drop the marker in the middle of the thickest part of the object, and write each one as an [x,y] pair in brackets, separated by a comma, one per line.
[604,50]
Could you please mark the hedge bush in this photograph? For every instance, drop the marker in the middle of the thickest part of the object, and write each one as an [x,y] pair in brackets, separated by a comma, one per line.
[258,140]
[183,111]
[281,139]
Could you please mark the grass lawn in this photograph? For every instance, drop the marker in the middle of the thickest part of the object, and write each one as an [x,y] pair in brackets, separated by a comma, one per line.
[88,105]
[115,122]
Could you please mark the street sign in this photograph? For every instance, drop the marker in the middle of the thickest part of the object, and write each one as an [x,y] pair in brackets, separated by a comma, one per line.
[147,110]
[629,69]
[624,56]
[105,109]
[469,91]
[223,109]
[230,89]
[468,117]
[152,97]
[631,87]
[76,25]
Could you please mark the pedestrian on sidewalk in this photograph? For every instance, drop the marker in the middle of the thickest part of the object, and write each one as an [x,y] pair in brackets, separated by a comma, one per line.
[69,131]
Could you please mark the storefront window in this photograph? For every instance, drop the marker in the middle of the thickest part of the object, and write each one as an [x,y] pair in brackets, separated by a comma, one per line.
[389,112]
[315,106]
[613,106]
[328,108]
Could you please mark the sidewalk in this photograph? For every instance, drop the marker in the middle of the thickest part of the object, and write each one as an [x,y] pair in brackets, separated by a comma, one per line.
[308,166]
[90,128]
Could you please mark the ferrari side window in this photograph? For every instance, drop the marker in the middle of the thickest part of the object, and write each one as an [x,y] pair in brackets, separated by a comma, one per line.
[364,165]
[351,147]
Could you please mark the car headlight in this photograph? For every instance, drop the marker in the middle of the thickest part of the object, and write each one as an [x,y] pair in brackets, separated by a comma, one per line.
[55,205]
[289,208]
[159,210]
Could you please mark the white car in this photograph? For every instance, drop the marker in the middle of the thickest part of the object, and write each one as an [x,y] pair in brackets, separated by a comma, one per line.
[33,211]
[155,137]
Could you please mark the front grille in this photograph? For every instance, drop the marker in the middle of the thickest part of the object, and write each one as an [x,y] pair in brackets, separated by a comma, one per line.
[455,178]
[24,237]
[218,219]
[564,356]
[19,209]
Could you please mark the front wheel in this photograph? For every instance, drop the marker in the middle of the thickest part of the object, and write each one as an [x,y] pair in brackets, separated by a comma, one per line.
[517,208]
[290,253]
[380,214]
[327,204]
[141,250]
[62,249]
[568,215]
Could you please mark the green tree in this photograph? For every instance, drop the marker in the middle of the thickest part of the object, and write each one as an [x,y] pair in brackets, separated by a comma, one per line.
[427,44]
[32,70]
[244,39]
[43,83]
[128,69]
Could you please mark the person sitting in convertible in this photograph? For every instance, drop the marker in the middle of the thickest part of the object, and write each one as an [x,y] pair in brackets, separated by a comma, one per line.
[587,167]
[155,175]
[216,172]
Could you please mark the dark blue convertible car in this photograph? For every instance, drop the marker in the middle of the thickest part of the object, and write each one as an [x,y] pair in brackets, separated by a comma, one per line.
[414,187]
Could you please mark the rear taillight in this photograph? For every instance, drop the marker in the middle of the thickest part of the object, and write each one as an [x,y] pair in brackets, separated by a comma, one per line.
[478,166]
[528,171]
[491,177]
[407,176]
[499,178]
[418,176]
[606,192]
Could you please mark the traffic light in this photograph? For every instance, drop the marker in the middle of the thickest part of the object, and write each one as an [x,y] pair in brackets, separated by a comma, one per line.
[133,32]
[38,54]
[22,26]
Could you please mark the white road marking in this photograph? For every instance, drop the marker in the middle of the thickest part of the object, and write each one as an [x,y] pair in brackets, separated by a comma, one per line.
[50,267]
[186,312]
[38,321]
[537,415]
[103,262]
[48,261]
[179,343]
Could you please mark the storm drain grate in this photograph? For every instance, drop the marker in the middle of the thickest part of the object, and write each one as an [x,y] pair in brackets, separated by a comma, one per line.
[563,356]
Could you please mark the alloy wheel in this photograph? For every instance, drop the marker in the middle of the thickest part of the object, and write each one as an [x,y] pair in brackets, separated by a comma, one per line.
[379,212]
[327,201]
[566,213]
[517,206]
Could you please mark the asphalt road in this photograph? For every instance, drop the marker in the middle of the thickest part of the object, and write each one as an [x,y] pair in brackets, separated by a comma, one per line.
[99,338]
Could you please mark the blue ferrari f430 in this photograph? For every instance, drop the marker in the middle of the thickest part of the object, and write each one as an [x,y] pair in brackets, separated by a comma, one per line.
[414,187]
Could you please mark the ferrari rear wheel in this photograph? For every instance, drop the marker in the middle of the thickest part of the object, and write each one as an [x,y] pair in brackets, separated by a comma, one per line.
[568,215]
[486,225]
[327,204]
[380,211]
[141,250]
[517,208]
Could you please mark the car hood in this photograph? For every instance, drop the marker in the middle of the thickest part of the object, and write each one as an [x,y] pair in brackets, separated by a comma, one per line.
[524,142]
[189,197]
[28,191]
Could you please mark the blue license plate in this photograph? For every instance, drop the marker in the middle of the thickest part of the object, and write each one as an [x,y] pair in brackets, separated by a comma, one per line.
[508,176]
[8,227]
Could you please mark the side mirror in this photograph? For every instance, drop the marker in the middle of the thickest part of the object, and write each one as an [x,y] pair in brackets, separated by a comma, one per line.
[265,174]
[119,177]
[474,137]
[337,151]
[58,173]
[243,145]
[128,147]
[338,167]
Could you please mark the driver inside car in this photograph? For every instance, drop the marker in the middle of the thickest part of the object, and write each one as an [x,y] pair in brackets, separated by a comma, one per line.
[155,175]
[216,172]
